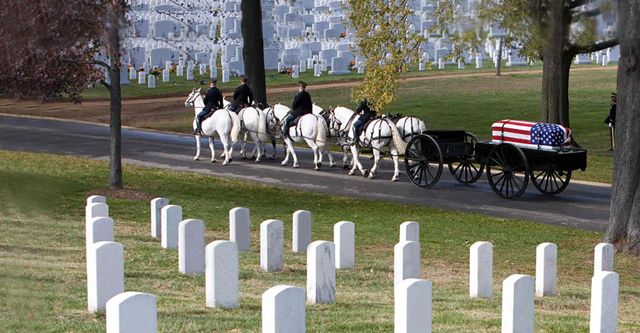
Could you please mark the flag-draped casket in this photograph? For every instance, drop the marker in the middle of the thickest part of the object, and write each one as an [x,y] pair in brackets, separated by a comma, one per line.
[531,135]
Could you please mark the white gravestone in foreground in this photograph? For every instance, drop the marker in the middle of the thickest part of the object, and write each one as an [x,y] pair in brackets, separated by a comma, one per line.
[321,273]
[105,274]
[412,314]
[344,238]
[99,229]
[240,228]
[603,258]
[546,267]
[481,270]
[170,217]
[151,81]
[222,275]
[132,312]
[141,77]
[156,206]
[271,243]
[301,237]
[517,304]
[94,210]
[410,231]
[283,310]
[191,247]
[406,261]
[604,302]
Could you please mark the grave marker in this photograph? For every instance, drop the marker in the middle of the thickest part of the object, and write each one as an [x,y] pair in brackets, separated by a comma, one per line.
[132,312]
[344,240]
[191,247]
[240,228]
[222,275]
[321,273]
[271,241]
[301,237]
[105,274]
[171,215]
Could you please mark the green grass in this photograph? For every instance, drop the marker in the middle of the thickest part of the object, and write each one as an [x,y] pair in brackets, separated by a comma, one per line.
[43,288]
[178,85]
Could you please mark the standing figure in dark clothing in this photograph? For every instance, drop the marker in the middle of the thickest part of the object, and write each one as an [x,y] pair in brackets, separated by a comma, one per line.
[212,102]
[300,106]
[242,97]
[611,120]
[365,113]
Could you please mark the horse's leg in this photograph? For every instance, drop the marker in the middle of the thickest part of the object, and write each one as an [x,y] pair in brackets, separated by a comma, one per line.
[376,160]
[293,153]
[197,157]
[273,143]
[396,170]
[257,150]
[286,152]
[317,153]
[243,146]
[356,162]
[225,144]
[331,162]
[345,156]
[213,153]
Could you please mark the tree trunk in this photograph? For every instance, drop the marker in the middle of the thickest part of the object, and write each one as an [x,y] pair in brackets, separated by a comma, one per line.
[253,50]
[499,61]
[556,64]
[624,227]
[115,124]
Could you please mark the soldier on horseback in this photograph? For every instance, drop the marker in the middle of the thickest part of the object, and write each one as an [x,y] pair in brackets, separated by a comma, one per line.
[300,106]
[365,112]
[242,97]
[212,101]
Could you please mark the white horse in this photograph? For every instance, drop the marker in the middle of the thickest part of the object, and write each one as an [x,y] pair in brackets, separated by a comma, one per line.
[254,124]
[340,141]
[311,129]
[378,134]
[223,121]
[409,127]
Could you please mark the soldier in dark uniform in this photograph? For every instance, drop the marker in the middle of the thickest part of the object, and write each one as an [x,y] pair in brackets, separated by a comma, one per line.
[365,113]
[212,102]
[242,97]
[300,106]
[611,119]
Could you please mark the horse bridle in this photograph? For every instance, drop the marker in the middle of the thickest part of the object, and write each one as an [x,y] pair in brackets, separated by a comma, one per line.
[192,99]
[334,121]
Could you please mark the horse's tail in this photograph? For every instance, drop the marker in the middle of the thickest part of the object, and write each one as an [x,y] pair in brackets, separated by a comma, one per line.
[401,146]
[235,126]
[262,125]
[321,137]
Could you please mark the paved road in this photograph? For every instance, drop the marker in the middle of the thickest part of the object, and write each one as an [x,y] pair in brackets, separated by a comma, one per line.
[582,205]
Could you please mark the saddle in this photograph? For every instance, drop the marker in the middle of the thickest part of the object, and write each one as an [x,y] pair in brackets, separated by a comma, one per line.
[295,120]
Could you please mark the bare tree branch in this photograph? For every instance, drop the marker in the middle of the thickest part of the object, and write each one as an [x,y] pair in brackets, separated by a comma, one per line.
[578,49]
[104,83]
[588,13]
[578,3]
[102,63]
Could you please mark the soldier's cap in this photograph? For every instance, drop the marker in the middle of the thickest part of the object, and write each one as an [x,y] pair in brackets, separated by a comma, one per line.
[302,83]
[214,80]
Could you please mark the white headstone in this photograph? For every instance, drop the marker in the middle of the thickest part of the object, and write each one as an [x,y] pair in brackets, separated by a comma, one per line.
[151,83]
[603,258]
[460,64]
[96,199]
[225,75]
[410,232]
[240,228]
[517,304]
[191,247]
[202,69]
[361,67]
[105,274]
[165,75]
[303,66]
[271,242]
[604,302]
[481,270]
[479,63]
[132,74]
[310,63]
[546,267]
[295,74]
[317,70]
[180,70]
[189,73]
[301,237]
[222,275]
[440,63]
[141,77]
[421,66]
[413,298]
[99,229]
[132,312]
[406,261]
[344,235]
[94,210]
[321,273]
[283,310]
[170,217]
[156,206]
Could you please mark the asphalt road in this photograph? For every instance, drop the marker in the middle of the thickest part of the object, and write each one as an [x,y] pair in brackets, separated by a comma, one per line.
[581,205]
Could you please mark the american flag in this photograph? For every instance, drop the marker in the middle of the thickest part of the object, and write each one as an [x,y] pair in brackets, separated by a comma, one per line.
[531,135]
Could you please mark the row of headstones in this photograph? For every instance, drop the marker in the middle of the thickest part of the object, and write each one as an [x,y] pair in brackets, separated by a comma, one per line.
[105,258]
[413,296]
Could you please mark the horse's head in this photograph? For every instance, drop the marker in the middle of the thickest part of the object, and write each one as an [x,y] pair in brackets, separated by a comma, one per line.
[334,123]
[191,99]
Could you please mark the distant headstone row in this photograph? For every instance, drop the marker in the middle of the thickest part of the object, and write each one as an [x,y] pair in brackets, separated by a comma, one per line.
[283,307]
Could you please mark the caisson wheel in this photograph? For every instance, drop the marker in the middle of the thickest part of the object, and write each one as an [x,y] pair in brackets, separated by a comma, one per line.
[507,171]
[550,181]
[423,161]
[466,170]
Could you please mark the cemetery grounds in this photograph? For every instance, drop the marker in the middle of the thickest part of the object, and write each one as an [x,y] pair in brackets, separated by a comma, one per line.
[43,272]
[443,99]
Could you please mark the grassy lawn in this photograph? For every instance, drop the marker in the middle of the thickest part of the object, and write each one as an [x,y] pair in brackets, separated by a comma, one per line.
[43,287]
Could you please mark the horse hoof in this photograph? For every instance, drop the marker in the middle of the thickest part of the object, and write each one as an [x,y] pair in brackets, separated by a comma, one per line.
[316,168]
[364,172]
[214,161]
[230,159]
[394,179]
[319,165]
[283,163]
[345,167]
[295,166]
[351,173]
[371,176]
[196,158]
[258,160]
